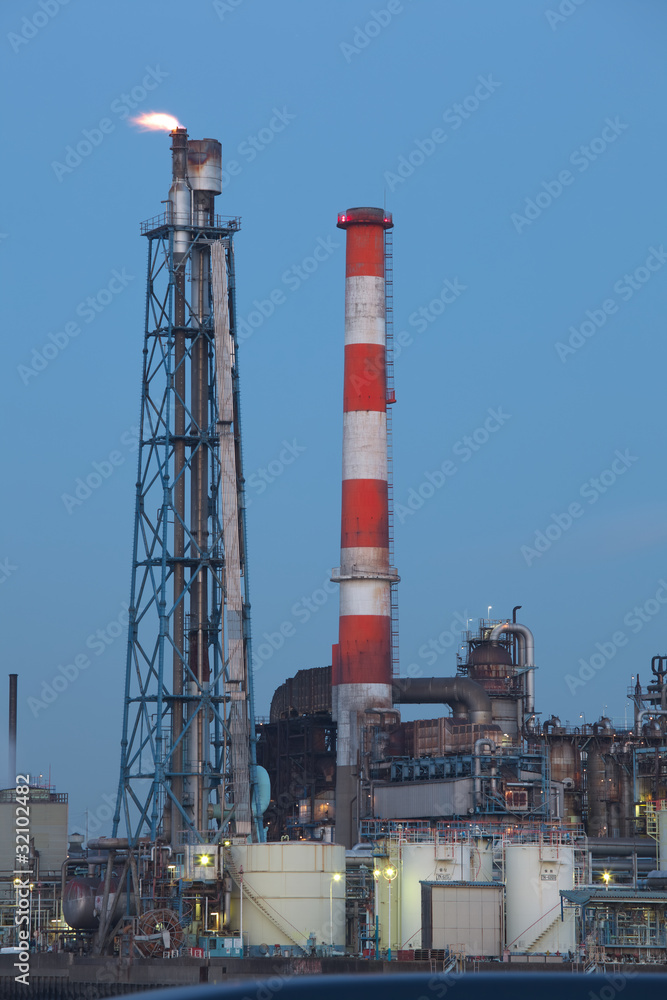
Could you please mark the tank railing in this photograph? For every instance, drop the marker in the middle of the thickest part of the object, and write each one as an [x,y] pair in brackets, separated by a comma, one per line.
[462,831]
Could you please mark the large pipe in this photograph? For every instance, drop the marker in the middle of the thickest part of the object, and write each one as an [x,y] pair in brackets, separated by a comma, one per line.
[179,214]
[491,747]
[13,682]
[620,847]
[526,656]
[362,667]
[445,691]
[643,713]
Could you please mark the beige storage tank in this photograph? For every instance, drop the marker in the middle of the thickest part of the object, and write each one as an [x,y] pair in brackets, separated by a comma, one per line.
[534,876]
[289,893]
[424,863]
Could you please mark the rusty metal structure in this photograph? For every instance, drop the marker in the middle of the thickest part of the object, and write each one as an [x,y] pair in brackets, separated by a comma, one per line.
[188,771]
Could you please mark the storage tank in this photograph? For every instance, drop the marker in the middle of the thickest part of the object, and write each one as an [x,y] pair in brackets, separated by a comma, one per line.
[566,768]
[534,876]
[294,883]
[79,903]
[490,664]
[425,863]
[661,816]
[82,901]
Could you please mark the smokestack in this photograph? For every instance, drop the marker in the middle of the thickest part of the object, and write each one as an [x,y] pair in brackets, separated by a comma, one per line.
[13,681]
[361,663]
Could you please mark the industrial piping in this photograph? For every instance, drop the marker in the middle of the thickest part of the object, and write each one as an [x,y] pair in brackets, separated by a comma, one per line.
[361,661]
[13,682]
[526,657]
[448,691]
[490,746]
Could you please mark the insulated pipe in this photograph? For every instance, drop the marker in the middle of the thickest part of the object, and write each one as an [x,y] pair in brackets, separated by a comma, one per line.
[13,681]
[447,691]
[180,195]
[179,214]
[362,667]
[618,847]
[526,656]
[647,711]
[478,768]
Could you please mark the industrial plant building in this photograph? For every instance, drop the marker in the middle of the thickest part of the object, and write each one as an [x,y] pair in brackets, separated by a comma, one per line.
[482,830]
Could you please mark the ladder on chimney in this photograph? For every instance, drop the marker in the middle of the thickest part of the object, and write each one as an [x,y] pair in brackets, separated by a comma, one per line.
[391,398]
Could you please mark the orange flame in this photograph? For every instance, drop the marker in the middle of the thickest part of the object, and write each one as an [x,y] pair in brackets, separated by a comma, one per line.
[156,120]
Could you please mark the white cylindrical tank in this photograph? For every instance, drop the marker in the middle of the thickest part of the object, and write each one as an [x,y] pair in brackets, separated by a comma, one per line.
[534,876]
[426,863]
[293,883]
[661,816]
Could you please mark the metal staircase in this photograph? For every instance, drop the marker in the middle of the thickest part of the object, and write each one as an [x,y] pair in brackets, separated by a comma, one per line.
[260,903]
[391,398]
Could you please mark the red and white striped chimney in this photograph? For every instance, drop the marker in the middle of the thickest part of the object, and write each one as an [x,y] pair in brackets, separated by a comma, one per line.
[362,661]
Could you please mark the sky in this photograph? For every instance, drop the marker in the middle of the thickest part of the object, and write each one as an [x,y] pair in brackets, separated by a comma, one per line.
[520,147]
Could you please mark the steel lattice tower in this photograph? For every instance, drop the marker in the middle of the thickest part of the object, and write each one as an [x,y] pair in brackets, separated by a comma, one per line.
[188,771]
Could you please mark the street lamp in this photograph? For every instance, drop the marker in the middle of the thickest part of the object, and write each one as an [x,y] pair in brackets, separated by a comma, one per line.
[389,874]
[376,877]
[606,876]
[336,877]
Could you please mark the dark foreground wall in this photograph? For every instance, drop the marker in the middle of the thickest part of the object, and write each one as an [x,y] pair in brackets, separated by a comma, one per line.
[68,977]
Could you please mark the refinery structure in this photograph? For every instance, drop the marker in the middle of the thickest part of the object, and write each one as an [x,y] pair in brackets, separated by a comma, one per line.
[486,829]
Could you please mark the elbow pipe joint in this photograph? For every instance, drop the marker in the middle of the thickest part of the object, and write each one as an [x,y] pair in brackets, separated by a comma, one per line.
[447,691]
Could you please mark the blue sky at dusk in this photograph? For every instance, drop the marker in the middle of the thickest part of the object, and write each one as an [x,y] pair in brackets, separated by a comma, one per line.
[521,149]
